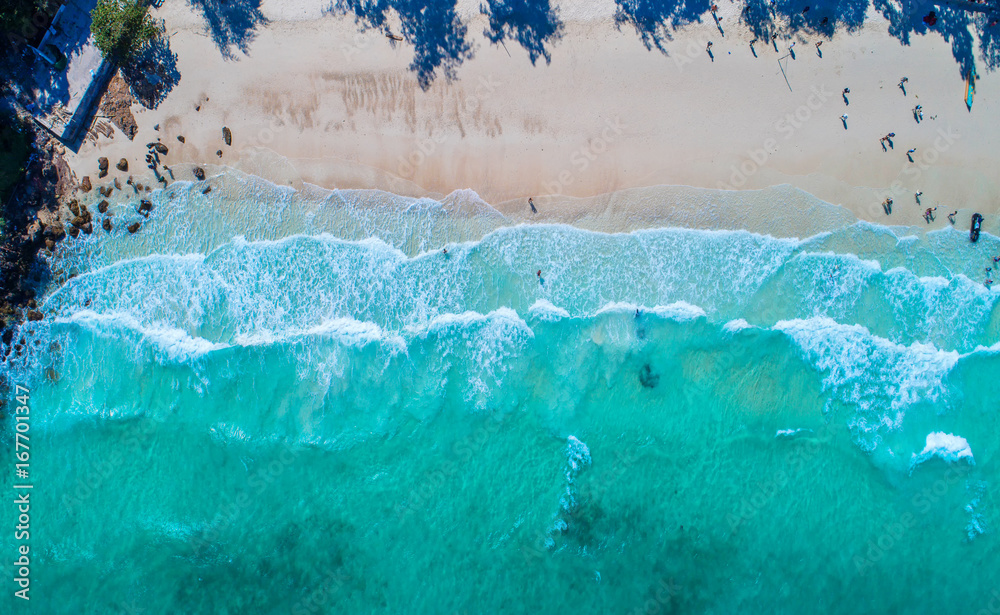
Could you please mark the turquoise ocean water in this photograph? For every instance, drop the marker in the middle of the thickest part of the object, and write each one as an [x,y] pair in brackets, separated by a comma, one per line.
[262,403]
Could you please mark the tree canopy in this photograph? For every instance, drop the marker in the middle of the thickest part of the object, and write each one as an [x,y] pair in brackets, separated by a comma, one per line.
[121,27]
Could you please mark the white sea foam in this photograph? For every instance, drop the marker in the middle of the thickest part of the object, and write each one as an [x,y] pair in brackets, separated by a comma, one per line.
[946,446]
[679,311]
[791,433]
[879,377]
[176,344]
[545,310]
[735,325]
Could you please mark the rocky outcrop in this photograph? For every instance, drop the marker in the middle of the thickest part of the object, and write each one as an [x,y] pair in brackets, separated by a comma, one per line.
[35,315]
[227,135]
[199,173]
[102,207]
[180,138]
[134,227]
[122,166]
[102,166]
[85,184]
[106,224]
[159,147]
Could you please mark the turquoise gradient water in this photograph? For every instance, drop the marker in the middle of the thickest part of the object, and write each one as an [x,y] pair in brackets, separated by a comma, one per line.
[266,404]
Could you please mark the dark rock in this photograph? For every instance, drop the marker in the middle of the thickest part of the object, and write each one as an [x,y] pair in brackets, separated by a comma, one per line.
[118,184]
[78,221]
[145,206]
[102,207]
[199,173]
[206,190]
[156,127]
[647,378]
[85,184]
[180,138]
[227,135]
[55,231]
[105,191]
[87,228]
[122,165]
[74,206]
[132,228]
[106,224]
[49,244]
[218,153]
[102,173]
[34,315]
[197,107]
[159,147]
[74,232]
[102,163]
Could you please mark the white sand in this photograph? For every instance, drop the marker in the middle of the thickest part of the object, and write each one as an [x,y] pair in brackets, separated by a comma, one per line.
[607,114]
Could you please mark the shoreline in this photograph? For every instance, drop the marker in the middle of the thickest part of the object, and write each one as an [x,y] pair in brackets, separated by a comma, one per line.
[591,123]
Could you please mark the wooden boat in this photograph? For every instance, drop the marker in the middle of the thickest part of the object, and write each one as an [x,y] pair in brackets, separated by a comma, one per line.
[970,88]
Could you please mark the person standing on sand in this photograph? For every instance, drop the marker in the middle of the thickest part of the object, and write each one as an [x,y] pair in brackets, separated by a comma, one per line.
[951,217]
[531,204]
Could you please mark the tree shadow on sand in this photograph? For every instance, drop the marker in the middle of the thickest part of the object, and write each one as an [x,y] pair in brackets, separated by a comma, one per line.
[433,28]
[152,74]
[655,20]
[231,23]
[532,23]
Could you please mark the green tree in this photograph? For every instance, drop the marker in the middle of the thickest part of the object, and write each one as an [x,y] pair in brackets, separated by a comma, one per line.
[121,27]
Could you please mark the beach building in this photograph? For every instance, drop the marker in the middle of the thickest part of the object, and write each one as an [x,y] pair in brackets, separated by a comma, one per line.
[71,74]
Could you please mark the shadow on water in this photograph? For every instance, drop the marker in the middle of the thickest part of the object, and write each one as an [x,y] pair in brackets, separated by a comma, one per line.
[153,73]
[533,24]
[433,28]
[231,23]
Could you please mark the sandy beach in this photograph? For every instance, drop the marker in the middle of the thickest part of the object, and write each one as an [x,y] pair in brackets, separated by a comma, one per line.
[312,99]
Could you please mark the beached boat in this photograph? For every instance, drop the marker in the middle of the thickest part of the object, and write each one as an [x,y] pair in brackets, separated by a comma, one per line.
[970,87]
[977,223]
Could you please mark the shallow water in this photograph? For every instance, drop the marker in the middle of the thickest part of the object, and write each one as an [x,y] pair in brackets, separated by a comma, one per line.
[266,403]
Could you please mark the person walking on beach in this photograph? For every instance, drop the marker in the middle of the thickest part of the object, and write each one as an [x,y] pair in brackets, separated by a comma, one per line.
[951,217]
[902,84]
[531,204]
[916,195]
[909,153]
